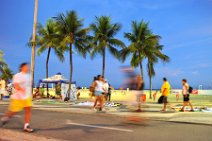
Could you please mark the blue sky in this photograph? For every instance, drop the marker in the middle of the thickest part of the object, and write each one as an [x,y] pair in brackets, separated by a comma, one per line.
[185,27]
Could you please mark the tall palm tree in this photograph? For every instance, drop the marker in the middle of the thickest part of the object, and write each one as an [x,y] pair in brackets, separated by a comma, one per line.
[140,37]
[104,31]
[144,45]
[47,39]
[72,35]
[155,54]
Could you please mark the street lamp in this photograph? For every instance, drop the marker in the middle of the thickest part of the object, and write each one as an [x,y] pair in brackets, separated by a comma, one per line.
[33,44]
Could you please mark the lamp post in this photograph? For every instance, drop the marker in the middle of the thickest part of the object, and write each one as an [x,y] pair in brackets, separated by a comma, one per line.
[33,44]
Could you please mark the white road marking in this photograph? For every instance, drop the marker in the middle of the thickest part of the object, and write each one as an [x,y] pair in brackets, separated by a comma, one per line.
[100,127]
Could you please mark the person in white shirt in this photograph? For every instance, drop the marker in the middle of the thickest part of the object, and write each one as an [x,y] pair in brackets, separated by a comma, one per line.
[99,91]
[186,99]
[21,98]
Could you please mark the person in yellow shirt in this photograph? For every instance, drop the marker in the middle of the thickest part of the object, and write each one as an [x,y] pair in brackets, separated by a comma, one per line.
[165,90]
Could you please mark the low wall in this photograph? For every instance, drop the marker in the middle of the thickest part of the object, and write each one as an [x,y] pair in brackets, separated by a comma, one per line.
[199,92]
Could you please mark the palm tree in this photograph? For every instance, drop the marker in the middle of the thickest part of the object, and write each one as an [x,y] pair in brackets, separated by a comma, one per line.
[6,74]
[104,31]
[47,39]
[140,37]
[153,57]
[144,44]
[2,62]
[72,35]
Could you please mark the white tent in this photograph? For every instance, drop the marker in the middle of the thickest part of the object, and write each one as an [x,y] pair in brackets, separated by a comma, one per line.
[59,78]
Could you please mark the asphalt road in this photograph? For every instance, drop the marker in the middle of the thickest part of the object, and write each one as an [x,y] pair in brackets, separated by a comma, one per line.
[103,127]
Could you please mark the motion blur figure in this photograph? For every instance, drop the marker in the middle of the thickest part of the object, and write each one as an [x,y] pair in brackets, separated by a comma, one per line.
[135,84]
[21,98]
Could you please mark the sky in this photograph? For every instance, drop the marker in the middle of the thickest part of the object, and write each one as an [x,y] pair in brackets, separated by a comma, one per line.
[184,25]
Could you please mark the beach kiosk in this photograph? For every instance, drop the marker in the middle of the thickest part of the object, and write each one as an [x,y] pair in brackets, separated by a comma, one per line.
[59,85]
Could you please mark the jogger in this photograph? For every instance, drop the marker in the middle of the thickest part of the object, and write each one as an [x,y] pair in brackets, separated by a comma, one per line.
[21,98]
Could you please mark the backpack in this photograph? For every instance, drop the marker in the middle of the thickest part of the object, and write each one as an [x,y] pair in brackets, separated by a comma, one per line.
[190,89]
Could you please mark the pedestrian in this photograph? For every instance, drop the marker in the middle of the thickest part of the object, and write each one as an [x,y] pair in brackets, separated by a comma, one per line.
[155,95]
[21,98]
[186,96]
[165,90]
[92,88]
[106,88]
[109,93]
[78,92]
[99,91]
[1,92]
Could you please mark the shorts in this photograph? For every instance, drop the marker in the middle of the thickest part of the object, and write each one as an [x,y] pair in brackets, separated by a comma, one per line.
[18,105]
[98,93]
[165,99]
[186,98]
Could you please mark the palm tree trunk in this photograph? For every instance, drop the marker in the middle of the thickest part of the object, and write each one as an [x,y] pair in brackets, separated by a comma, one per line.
[141,67]
[142,71]
[71,71]
[150,80]
[150,85]
[32,71]
[103,63]
[47,68]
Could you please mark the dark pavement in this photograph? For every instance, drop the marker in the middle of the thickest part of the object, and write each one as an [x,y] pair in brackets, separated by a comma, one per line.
[103,127]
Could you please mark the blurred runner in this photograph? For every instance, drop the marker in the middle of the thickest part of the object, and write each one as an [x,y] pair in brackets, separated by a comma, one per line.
[139,92]
[134,83]
[21,98]
[165,90]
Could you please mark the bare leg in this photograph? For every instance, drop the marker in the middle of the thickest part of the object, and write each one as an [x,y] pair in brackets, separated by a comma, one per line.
[95,101]
[27,115]
[190,105]
[164,107]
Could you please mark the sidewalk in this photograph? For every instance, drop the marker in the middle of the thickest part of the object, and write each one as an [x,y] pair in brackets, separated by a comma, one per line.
[150,111]
[10,135]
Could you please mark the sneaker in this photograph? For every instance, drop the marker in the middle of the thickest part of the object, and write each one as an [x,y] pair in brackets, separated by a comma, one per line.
[28,129]
[181,110]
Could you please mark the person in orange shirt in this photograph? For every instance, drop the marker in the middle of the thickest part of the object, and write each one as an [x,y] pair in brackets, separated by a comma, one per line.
[165,90]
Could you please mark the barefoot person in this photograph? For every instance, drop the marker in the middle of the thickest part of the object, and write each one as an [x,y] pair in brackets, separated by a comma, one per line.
[99,91]
[21,98]
[186,99]
[165,90]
